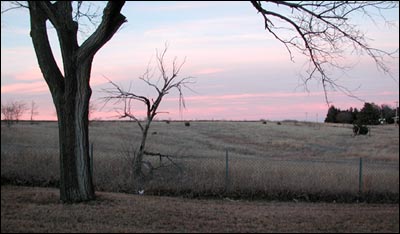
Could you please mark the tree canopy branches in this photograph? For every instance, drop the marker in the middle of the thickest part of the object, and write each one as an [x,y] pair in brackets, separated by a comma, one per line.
[164,84]
[322,31]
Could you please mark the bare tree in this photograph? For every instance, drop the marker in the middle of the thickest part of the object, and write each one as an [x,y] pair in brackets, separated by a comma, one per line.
[70,89]
[6,113]
[12,111]
[162,87]
[33,110]
[322,32]
[19,109]
[7,110]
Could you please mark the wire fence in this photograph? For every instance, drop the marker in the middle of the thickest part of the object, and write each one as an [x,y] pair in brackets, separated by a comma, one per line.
[224,174]
[238,174]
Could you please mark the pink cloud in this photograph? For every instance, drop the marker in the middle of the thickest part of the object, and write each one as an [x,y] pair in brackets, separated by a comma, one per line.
[34,87]
[207,71]
[242,96]
[387,93]
[30,74]
[250,106]
[43,117]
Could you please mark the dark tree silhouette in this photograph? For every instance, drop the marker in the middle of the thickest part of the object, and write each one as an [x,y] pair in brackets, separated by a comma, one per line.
[322,32]
[165,84]
[369,114]
[70,90]
[331,116]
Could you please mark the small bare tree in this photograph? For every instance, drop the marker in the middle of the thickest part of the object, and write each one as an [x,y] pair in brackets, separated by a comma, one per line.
[19,109]
[6,111]
[165,83]
[33,110]
[12,111]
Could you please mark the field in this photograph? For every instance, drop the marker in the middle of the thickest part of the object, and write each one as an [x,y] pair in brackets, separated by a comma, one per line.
[286,161]
[272,170]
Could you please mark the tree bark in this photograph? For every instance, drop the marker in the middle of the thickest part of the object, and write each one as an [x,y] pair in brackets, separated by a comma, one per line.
[71,92]
[137,167]
[76,183]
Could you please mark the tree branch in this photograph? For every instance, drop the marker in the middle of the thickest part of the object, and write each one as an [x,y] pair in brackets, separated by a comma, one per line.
[17,5]
[162,88]
[44,54]
[321,31]
[112,20]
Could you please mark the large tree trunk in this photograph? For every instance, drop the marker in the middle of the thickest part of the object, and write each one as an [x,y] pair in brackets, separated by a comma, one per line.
[71,91]
[76,183]
[75,178]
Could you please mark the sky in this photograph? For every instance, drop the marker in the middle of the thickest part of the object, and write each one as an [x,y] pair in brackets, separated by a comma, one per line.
[241,72]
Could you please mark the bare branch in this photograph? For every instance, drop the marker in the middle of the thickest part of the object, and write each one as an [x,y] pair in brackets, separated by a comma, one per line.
[162,87]
[321,31]
[119,95]
[105,30]
[14,5]
[87,13]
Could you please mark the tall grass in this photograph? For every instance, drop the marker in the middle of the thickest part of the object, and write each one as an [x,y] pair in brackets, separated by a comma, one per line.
[265,160]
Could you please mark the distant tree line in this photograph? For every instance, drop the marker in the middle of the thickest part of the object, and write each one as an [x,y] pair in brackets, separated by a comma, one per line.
[370,114]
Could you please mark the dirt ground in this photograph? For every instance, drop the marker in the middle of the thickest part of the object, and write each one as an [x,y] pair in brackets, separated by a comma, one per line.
[33,209]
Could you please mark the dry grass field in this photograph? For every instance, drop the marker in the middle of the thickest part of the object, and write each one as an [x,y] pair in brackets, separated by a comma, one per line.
[293,158]
[271,163]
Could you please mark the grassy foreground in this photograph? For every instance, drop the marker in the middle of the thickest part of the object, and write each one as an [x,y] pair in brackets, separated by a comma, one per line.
[32,209]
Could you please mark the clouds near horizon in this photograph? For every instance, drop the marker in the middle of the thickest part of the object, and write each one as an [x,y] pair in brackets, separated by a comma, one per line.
[241,71]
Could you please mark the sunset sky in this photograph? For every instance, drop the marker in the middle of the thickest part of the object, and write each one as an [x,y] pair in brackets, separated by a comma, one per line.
[241,72]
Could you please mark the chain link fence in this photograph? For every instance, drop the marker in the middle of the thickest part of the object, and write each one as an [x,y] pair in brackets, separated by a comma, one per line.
[238,175]
[224,174]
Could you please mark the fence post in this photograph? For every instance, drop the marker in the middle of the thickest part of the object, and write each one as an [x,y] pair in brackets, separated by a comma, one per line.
[360,177]
[226,171]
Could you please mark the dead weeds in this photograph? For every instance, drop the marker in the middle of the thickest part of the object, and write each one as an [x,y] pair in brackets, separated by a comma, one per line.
[30,209]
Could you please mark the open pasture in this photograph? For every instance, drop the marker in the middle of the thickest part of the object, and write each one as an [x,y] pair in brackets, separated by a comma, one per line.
[293,158]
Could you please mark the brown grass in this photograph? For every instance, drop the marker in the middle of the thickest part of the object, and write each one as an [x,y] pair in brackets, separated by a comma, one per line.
[27,209]
[294,157]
